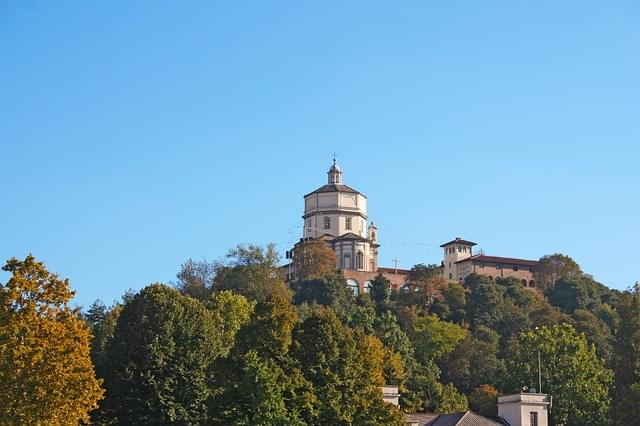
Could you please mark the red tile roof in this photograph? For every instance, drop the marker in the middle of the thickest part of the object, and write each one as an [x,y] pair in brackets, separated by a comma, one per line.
[459,241]
[333,187]
[501,260]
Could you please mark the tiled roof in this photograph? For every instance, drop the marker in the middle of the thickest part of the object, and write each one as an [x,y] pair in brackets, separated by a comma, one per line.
[459,241]
[420,419]
[333,187]
[501,260]
[463,419]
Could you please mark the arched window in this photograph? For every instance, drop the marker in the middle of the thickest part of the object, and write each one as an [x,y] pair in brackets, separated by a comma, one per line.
[524,282]
[353,286]
[532,284]
[367,286]
[359,260]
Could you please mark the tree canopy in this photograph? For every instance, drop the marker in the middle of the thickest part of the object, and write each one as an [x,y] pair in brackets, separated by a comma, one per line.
[46,374]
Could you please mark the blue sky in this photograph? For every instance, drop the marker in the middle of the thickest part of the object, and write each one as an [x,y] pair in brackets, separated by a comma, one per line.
[136,135]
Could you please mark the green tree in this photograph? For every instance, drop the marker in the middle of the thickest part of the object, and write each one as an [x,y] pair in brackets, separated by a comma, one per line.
[363,314]
[552,267]
[259,383]
[229,312]
[484,400]
[346,370]
[484,307]
[380,292]
[327,290]
[423,281]
[570,294]
[251,271]
[473,362]
[451,303]
[196,278]
[102,337]
[159,356]
[627,359]
[96,313]
[596,331]
[433,338]
[571,372]
[46,374]
[387,329]
[426,393]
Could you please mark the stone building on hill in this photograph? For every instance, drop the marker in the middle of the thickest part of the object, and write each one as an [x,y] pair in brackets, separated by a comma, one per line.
[459,262]
[337,214]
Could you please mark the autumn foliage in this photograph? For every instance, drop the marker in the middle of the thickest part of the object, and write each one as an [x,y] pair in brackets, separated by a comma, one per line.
[46,373]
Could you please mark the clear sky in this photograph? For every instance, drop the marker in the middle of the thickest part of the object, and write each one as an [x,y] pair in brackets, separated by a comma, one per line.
[136,135]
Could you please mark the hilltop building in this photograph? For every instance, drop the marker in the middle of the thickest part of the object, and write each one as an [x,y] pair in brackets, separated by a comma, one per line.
[459,262]
[337,214]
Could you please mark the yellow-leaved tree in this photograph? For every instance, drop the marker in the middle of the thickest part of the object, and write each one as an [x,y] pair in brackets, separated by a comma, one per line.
[46,374]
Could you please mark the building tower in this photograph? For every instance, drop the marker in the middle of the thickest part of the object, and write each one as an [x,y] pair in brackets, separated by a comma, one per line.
[454,251]
[337,214]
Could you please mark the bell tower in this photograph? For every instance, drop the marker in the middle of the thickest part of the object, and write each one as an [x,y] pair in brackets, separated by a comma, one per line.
[455,250]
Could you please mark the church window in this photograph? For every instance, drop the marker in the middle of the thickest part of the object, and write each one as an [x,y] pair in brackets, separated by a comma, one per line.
[532,284]
[533,419]
[327,222]
[450,275]
[359,260]
[346,261]
[309,224]
[347,223]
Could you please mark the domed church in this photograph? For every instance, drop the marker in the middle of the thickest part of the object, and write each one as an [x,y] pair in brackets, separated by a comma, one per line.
[337,214]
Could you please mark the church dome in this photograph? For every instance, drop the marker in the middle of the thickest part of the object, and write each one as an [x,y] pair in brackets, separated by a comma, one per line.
[335,168]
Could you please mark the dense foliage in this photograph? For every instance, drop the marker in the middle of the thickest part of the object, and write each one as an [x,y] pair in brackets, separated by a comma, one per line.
[232,343]
[46,374]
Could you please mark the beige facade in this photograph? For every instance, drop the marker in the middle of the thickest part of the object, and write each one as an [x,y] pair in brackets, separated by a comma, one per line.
[337,214]
[459,262]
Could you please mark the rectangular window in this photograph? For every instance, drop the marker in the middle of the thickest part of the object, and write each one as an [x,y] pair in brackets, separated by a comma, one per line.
[515,268]
[533,419]
[308,224]
[347,223]
[482,265]
[327,222]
